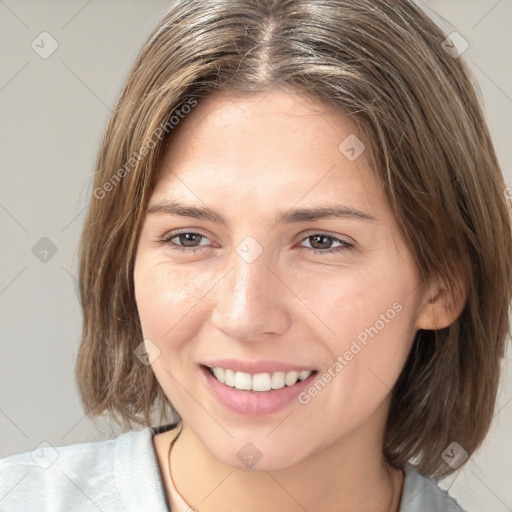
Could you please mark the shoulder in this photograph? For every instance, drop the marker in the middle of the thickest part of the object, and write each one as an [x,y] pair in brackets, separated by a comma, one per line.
[79,476]
[422,494]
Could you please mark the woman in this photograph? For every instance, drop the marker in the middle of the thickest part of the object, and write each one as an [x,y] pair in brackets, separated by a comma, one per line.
[299,243]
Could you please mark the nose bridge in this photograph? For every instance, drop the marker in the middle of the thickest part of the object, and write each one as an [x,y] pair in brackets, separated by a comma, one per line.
[247,304]
[245,286]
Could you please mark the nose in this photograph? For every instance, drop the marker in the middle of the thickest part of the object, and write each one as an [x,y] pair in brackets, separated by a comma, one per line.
[251,302]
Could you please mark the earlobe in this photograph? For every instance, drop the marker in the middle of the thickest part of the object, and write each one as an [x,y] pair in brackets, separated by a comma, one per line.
[440,308]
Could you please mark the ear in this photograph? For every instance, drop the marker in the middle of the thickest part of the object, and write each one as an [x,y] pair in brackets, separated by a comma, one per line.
[439,308]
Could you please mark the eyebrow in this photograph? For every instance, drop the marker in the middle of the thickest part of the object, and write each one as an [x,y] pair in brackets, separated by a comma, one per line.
[284,217]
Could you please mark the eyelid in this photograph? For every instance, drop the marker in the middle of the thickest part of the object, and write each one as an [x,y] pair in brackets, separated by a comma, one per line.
[173,233]
[167,237]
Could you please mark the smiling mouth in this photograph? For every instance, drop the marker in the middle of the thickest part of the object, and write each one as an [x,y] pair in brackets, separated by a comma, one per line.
[260,382]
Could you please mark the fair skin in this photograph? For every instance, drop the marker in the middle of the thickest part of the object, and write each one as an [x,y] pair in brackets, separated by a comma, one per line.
[249,159]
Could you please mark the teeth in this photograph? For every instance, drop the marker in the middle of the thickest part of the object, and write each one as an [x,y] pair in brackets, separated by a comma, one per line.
[260,381]
[278,380]
[243,381]
[229,378]
[303,375]
[291,378]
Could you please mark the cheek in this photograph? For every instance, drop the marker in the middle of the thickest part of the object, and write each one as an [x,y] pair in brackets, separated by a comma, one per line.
[370,317]
[167,299]
[376,316]
[361,304]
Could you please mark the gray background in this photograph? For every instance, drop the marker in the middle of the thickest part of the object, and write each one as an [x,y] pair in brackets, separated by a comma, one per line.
[53,112]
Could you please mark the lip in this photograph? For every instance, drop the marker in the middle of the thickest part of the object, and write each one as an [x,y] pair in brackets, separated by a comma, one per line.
[254,403]
[254,367]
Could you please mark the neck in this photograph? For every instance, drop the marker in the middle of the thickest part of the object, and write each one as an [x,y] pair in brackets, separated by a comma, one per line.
[349,475]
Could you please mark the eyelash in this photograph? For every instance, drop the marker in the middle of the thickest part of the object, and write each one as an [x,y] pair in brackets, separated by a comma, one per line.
[167,241]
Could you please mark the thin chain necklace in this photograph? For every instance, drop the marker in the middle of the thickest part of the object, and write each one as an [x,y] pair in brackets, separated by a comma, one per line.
[183,502]
[191,509]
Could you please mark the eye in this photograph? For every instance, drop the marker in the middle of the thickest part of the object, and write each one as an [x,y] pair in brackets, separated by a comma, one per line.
[320,239]
[186,241]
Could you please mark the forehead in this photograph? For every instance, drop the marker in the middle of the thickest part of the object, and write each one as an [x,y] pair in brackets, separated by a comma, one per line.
[262,145]
[257,121]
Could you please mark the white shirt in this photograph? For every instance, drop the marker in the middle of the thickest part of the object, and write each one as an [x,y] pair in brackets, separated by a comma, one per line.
[123,474]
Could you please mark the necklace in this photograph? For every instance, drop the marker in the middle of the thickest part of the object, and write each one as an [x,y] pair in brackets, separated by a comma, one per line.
[188,508]
[184,505]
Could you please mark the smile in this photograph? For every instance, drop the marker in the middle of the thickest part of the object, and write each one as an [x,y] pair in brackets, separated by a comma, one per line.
[260,381]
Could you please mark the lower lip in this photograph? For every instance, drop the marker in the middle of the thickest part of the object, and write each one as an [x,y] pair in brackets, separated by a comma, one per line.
[254,402]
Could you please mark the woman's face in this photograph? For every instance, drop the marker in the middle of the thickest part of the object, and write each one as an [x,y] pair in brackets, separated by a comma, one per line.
[272,286]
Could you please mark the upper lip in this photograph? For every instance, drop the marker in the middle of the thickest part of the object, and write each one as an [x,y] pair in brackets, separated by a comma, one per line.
[255,367]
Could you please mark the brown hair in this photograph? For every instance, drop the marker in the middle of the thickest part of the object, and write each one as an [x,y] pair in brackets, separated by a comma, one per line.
[384,64]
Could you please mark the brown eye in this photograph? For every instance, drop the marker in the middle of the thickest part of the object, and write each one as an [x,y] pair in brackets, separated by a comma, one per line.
[321,243]
[186,241]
